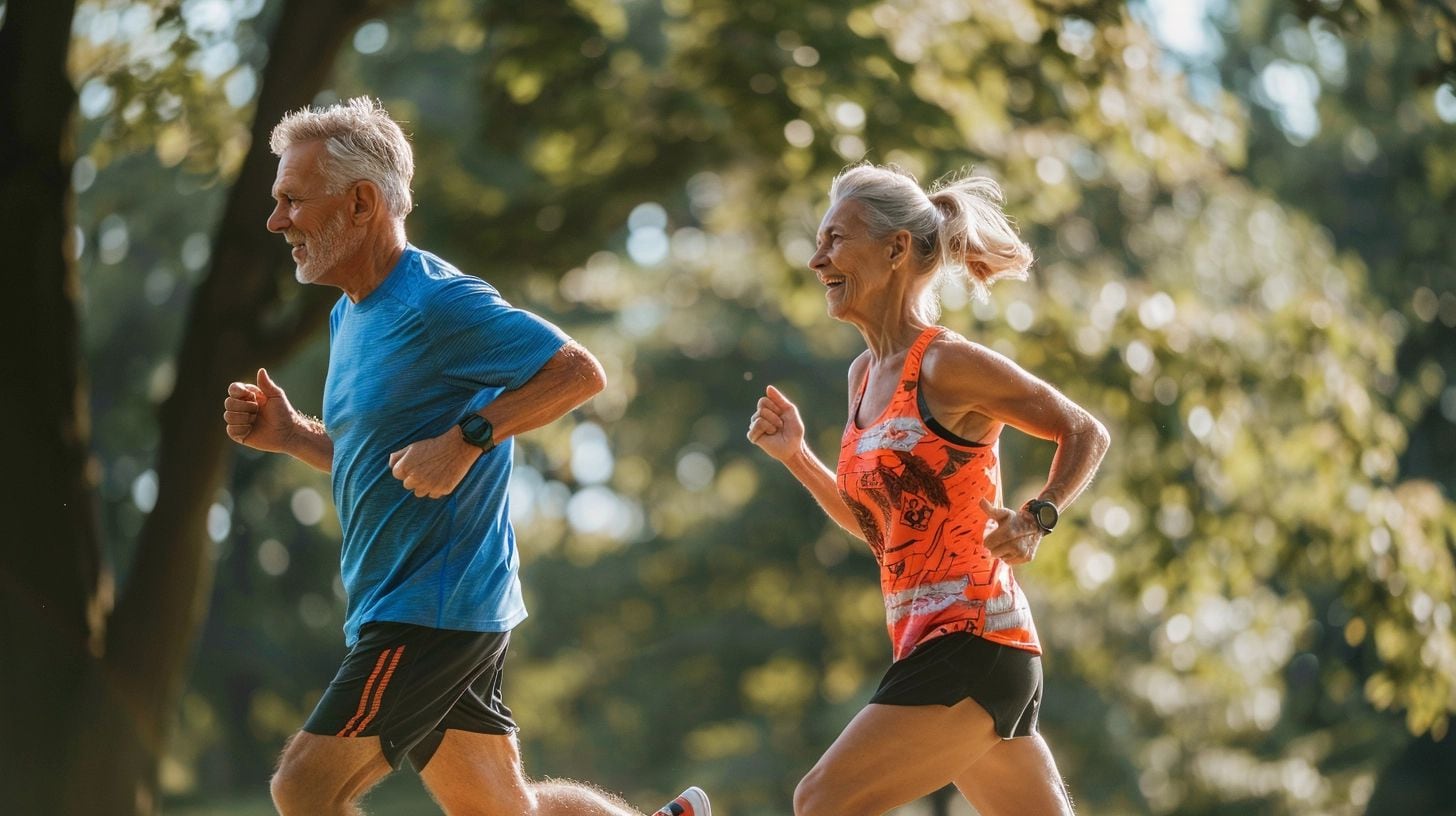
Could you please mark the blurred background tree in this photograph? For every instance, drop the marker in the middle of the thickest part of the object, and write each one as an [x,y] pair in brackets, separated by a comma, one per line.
[1242,269]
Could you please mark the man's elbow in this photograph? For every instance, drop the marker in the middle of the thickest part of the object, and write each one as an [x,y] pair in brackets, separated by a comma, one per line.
[590,378]
[594,377]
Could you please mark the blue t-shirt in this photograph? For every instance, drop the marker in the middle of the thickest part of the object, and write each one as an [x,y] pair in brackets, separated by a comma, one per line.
[422,351]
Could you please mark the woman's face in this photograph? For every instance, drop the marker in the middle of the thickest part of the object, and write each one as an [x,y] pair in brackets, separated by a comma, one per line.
[854,268]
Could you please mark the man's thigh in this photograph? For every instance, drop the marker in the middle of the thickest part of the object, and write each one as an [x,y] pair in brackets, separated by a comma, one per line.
[318,772]
[478,774]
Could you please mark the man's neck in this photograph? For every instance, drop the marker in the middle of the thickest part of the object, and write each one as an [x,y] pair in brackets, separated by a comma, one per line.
[372,263]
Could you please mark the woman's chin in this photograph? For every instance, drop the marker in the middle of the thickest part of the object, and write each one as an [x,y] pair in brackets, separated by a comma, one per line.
[842,309]
[834,304]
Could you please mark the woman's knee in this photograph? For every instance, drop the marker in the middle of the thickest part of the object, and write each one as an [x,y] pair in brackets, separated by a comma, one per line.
[817,795]
[804,796]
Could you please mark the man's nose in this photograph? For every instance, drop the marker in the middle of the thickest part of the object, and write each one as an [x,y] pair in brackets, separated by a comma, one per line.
[277,221]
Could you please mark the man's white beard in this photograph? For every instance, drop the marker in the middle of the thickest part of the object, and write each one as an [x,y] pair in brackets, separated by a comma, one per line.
[327,248]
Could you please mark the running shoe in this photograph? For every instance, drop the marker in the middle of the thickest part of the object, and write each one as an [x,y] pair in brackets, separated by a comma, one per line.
[691,802]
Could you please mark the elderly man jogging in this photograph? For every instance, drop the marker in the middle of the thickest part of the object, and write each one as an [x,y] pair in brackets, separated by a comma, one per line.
[431,375]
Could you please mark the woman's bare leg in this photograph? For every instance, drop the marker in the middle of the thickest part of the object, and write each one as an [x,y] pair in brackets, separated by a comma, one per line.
[1017,777]
[889,755]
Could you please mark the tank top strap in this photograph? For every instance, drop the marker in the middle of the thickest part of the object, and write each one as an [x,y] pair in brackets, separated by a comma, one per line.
[910,377]
[904,402]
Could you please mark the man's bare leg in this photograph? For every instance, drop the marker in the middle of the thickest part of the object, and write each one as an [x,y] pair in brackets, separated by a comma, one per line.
[326,776]
[481,775]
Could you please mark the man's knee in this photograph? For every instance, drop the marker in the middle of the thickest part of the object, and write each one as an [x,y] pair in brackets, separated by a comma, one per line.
[296,790]
[291,791]
[305,784]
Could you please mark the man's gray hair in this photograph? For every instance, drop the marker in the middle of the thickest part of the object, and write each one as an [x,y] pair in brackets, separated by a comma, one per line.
[363,144]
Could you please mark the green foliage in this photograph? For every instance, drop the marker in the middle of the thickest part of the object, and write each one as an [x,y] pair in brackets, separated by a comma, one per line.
[1252,577]
[1435,22]
[1388,133]
[170,78]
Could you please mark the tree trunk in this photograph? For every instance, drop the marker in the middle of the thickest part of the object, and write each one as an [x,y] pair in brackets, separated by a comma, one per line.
[940,801]
[50,550]
[88,708]
[155,625]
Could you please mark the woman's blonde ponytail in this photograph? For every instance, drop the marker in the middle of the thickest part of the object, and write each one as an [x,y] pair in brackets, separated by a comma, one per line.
[958,226]
[976,235]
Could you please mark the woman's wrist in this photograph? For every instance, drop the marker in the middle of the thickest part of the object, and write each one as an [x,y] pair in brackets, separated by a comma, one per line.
[801,459]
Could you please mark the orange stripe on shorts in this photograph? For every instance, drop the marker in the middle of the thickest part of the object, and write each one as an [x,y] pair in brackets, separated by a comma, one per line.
[379,693]
[364,698]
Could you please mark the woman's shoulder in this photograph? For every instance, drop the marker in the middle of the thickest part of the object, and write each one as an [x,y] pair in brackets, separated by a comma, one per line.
[950,345]
[952,354]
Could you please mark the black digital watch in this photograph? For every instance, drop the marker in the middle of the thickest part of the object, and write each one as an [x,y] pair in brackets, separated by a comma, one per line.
[478,431]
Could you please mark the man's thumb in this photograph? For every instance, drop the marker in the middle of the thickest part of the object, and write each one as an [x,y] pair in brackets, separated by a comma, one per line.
[265,383]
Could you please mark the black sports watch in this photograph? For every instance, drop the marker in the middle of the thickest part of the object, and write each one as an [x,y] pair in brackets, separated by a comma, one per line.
[1044,513]
[478,431]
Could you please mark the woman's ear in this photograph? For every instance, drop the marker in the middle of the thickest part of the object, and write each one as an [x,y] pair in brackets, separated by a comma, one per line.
[898,251]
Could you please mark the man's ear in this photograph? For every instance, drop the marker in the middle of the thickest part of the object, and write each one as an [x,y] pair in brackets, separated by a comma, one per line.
[365,200]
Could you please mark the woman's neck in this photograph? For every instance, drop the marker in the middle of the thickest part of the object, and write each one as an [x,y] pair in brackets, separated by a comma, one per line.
[891,337]
[891,324]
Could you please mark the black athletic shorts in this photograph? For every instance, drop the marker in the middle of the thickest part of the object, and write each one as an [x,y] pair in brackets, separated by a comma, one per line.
[406,684]
[1003,680]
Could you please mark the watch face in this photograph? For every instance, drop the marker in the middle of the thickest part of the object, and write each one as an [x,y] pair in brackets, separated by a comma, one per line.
[1046,515]
[476,429]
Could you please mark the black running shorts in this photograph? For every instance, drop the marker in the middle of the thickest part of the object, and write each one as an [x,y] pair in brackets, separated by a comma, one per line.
[407,684]
[1003,680]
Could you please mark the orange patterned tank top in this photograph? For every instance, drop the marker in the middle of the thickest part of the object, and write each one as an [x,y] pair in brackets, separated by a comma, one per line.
[916,489]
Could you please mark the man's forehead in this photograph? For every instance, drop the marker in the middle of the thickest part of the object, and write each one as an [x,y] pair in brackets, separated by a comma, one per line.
[298,165]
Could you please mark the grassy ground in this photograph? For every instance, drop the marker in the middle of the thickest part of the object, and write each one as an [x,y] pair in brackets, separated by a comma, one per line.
[402,795]
[399,795]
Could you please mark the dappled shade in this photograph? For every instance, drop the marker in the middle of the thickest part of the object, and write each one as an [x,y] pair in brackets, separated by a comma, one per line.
[1256,589]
